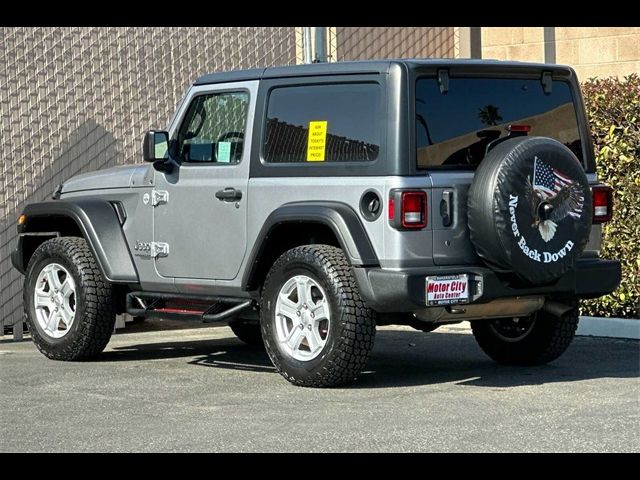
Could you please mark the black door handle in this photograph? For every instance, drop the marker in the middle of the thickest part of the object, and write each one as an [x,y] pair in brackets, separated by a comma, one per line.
[229,194]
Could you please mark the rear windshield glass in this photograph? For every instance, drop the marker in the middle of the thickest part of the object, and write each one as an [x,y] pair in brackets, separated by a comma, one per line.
[453,129]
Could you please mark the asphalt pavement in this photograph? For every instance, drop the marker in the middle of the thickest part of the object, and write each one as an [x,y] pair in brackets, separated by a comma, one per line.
[157,388]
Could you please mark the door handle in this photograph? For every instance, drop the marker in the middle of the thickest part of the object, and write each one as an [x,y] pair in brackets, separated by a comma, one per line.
[446,208]
[229,194]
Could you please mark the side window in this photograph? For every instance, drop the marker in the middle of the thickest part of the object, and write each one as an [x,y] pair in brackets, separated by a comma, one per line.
[213,128]
[323,123]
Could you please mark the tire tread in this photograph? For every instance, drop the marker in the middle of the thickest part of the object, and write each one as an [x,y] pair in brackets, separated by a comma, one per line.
[358,333]
[551,340]
[98,319]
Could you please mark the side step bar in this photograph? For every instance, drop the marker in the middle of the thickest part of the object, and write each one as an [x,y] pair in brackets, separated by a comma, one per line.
[206,309]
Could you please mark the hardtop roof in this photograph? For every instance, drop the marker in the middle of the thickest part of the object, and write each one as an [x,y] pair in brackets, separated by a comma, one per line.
[361,67]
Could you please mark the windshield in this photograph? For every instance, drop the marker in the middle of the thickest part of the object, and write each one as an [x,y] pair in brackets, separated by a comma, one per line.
[454,128]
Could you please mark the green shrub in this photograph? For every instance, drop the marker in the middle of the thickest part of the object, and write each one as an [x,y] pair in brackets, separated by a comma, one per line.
[613,108]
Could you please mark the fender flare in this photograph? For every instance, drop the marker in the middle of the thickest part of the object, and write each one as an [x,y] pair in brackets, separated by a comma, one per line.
[98,221]
[339,217]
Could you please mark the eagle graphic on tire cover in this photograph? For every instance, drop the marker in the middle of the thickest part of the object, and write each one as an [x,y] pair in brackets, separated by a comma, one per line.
[552,197]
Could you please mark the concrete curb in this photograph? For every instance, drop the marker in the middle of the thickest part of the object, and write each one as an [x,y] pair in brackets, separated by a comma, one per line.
[609,327]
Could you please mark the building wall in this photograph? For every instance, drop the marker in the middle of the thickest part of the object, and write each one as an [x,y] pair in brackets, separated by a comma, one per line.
[591,51]
[79,99]
[513,43]
[599,52]
[362,43]
[74,100]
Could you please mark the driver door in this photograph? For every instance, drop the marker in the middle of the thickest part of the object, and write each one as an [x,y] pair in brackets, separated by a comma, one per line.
[200,209]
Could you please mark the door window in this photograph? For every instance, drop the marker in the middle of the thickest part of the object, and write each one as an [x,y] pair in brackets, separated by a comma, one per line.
[213,129]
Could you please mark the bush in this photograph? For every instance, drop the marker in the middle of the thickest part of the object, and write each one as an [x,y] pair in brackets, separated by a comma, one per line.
[613,108]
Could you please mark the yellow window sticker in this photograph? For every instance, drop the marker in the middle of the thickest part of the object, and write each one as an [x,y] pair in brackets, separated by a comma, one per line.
[317,142]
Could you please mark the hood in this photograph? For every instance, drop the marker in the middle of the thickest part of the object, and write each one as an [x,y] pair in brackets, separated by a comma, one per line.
[117,177]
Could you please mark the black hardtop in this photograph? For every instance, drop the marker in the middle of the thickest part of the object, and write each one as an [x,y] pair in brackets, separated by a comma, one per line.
[377,67]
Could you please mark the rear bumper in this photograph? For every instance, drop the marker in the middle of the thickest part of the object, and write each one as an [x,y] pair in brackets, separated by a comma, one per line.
[404,291]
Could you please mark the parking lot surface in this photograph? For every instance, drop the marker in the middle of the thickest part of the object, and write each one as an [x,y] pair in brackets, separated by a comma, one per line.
[201,389]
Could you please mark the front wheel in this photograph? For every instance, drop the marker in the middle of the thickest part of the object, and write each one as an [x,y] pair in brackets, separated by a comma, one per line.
[317,330]
[247,331]
[534,340]
[67,301]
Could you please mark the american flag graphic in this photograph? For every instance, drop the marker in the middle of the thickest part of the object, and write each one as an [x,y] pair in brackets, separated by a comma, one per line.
[548,182]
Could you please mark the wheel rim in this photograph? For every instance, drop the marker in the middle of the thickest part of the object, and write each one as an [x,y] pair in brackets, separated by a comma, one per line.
[513,329]
[302,318]
[54,300]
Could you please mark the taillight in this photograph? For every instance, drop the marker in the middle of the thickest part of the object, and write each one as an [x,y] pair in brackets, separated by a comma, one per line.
[408,209]
[602,203]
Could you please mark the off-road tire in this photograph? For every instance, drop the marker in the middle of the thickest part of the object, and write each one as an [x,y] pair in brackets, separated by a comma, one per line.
[549,338]
[95,317]
[247,331]
[352,330]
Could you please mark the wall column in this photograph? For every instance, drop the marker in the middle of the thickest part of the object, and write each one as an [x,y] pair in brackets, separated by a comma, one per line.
[469,42]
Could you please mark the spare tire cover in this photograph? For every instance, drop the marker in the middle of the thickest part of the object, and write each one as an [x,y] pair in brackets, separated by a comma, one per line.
[529,209]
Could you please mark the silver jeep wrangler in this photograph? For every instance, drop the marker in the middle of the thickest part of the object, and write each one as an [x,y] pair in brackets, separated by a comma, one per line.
[305,205]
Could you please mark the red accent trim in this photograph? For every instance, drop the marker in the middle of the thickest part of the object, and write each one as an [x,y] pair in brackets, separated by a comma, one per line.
[178,310]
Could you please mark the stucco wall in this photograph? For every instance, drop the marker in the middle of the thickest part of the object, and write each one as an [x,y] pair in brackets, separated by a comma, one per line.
[599,52]
[591,51]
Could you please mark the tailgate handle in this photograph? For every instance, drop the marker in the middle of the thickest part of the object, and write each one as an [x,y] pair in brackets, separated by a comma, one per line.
[446,208]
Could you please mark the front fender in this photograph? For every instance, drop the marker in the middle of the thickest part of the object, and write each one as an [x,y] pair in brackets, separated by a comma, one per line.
[99,224]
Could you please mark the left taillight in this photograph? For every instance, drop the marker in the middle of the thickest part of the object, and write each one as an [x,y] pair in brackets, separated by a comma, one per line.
[602,203]
[408,209]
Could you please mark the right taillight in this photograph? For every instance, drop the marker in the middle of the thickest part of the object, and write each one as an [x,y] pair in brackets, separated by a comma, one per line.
[602,203]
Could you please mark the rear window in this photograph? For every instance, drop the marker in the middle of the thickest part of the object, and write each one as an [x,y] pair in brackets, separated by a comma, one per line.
[323,123]
[454,129]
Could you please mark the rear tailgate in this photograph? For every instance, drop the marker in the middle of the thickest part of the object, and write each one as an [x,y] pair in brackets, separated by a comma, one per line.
[454,125]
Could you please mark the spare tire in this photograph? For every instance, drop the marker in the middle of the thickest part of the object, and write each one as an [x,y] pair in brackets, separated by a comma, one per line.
[529,209]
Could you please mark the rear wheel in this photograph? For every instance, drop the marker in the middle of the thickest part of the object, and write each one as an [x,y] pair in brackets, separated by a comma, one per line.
[67,301]
[534,340]
[317,330]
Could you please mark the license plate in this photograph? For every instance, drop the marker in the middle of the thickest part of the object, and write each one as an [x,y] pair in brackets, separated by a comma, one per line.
[447,289]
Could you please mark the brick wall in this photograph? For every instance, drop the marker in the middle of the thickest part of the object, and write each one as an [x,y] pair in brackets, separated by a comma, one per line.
[74,100]
[79,99]
[360,43]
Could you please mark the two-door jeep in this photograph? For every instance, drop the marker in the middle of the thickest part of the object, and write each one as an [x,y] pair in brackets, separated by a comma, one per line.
[305,205]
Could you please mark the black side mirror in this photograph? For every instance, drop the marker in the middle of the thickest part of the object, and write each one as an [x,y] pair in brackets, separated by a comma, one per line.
[155,146]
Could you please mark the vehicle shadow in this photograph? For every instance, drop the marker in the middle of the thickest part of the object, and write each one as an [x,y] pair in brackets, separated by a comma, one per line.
[404,358]
[228,353]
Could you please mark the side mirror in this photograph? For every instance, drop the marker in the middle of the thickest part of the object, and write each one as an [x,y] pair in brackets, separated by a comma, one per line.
[155,146]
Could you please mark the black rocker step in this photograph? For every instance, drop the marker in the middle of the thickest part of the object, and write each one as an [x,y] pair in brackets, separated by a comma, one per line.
[173,306]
